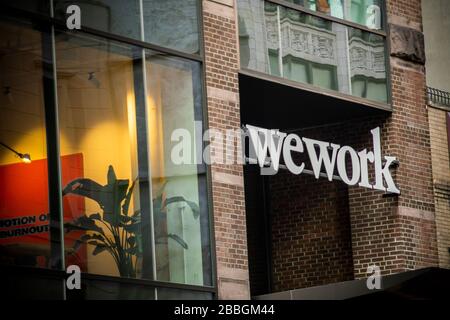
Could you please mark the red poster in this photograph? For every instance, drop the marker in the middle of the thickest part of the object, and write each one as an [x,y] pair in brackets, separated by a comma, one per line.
[24,231]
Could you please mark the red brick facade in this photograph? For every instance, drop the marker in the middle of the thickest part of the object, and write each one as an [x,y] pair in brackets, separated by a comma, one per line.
[311,236]
[409,11]
[221,62]
[406,238]
[326,232]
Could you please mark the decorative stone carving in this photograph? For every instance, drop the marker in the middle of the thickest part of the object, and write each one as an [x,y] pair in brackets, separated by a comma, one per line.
[367,58]
[299,41]
[272,30]
[322,46]
[407,44]
[307,42]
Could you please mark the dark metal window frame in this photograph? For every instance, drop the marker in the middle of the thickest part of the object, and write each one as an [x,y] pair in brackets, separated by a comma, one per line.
[48,24]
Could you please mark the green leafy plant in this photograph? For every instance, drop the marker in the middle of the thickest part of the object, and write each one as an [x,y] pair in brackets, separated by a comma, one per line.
[116,231]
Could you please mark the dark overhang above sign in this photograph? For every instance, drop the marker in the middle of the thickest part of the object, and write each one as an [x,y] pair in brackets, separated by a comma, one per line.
[287,105]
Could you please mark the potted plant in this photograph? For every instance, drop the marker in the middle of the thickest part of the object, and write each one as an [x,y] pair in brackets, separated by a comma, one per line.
[116,230]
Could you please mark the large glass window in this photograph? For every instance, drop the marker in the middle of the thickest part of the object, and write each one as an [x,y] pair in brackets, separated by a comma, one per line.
[129,210]
[308,49]
[24,225]
[104,143]
[179,194]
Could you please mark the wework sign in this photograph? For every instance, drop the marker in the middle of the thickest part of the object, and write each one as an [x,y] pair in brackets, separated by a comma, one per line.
[267,146]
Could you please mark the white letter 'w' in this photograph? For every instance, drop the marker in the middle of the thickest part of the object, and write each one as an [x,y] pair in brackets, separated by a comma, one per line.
[272,142]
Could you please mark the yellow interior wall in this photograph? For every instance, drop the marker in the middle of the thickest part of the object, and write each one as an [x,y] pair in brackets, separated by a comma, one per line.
[97,119]
[22,121]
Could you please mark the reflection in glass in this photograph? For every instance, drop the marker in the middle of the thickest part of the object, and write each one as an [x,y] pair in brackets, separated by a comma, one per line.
[99,83]
[179,190]
[24,227]
[308,49]
[96,103]
[172,24]
[367,65]
[169,23]
[113,16]
[259,36]
[365,12]
[271,17]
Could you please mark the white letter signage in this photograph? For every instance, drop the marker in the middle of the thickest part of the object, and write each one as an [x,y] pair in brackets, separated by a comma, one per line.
[270,144]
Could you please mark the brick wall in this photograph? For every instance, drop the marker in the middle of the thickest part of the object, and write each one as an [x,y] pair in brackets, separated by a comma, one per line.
[311,237]
[406,238]
[314,219]
[441,180]
[399,233]
[405,12]
[221,68]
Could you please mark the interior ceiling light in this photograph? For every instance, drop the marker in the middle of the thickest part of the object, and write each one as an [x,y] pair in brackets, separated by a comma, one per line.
[26,158]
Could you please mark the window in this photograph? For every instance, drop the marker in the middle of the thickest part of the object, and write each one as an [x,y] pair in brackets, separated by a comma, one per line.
[169,23]
[367,65]
[271,17]
[128,210]
[24,225]
[298,63]
[172,24]
[312,50]
[180,210]
[103,145]
[98,146]
[306,72]
[112,16]
[365,12]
